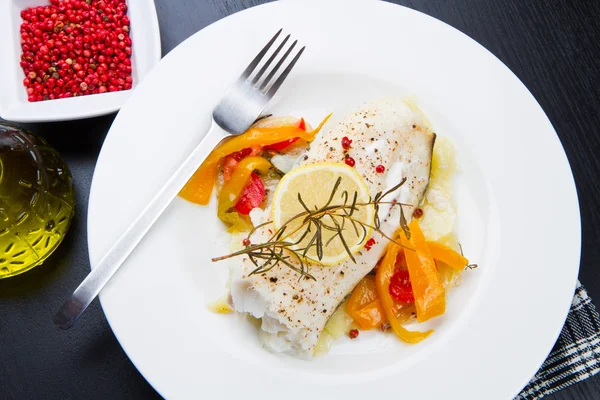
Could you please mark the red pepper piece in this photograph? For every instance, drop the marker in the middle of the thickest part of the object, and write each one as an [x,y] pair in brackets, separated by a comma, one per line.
[240,155]
[401,288]
[282,145]
[252,196]
[302,124]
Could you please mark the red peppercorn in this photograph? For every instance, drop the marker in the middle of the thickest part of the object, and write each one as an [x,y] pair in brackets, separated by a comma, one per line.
[67,45]
[380,169]
[418,213]
[370,244]
[346,143]
[350,161]
[353,333]
[246,242]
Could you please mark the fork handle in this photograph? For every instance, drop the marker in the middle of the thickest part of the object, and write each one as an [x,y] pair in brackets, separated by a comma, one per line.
[118,253]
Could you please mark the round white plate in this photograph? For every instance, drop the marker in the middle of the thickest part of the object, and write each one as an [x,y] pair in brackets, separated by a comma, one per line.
[518,211]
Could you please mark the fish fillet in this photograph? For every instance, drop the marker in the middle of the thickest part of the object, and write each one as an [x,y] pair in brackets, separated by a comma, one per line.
[389,132]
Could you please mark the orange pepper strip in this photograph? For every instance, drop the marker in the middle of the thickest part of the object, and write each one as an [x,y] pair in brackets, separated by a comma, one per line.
[370,316]
[446,255]
[385,271]
[200,186]
[233,188]
[430,295]
[364,306]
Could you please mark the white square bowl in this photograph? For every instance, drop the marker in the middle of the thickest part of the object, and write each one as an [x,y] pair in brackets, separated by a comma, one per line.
[146,53]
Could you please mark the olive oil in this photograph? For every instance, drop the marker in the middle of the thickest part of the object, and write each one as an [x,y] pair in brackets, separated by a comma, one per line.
[37,200]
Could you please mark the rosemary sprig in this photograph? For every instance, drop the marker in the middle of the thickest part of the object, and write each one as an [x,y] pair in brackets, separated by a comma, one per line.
[280,249]
[469,266]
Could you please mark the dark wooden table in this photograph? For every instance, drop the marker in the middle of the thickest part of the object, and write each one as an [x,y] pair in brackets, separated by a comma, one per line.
[553,46]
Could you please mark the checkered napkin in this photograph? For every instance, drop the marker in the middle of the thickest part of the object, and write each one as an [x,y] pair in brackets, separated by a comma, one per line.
[576,354]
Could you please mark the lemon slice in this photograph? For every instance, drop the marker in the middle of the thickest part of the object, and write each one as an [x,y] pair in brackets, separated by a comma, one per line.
[315,184]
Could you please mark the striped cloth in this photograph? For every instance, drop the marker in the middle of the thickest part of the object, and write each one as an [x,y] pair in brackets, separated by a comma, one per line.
[576,354]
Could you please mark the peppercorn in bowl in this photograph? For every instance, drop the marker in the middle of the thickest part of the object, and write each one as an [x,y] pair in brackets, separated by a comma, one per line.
[72,59]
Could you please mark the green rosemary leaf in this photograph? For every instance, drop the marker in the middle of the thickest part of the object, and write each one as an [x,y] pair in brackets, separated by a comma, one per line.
[302,203]
[335,188]
[310,230]
[404,223]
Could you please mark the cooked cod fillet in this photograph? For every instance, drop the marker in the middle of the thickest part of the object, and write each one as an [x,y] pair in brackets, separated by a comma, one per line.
[388,132]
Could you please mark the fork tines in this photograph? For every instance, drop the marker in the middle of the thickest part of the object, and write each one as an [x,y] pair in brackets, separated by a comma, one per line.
[263,85]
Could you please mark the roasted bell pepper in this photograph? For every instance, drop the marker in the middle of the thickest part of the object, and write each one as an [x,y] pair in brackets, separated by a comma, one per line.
[286,143]
[385,271]
[233,189]
[302,124]
[252,195]
[364,306]
[200,186]
[231,162]
[430,295]
[446,255]
[405,312]
[282,145]
[401,288]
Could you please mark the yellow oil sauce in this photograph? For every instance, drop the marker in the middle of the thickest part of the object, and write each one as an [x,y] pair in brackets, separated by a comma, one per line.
[36,200]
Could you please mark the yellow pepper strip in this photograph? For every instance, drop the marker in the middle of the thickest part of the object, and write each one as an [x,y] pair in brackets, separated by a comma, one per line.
[430,295]
[233,188]
[200,186]
[446,255]
[385,271]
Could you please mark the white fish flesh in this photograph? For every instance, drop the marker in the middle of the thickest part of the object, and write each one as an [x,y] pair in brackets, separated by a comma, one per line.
[389,132]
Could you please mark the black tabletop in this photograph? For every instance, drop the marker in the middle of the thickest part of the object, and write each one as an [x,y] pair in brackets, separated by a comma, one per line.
[553,46]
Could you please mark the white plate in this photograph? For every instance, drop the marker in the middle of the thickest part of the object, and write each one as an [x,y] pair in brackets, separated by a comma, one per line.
[13,97]
[519,217]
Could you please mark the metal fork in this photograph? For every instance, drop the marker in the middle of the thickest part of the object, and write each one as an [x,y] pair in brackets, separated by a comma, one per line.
[234,114]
